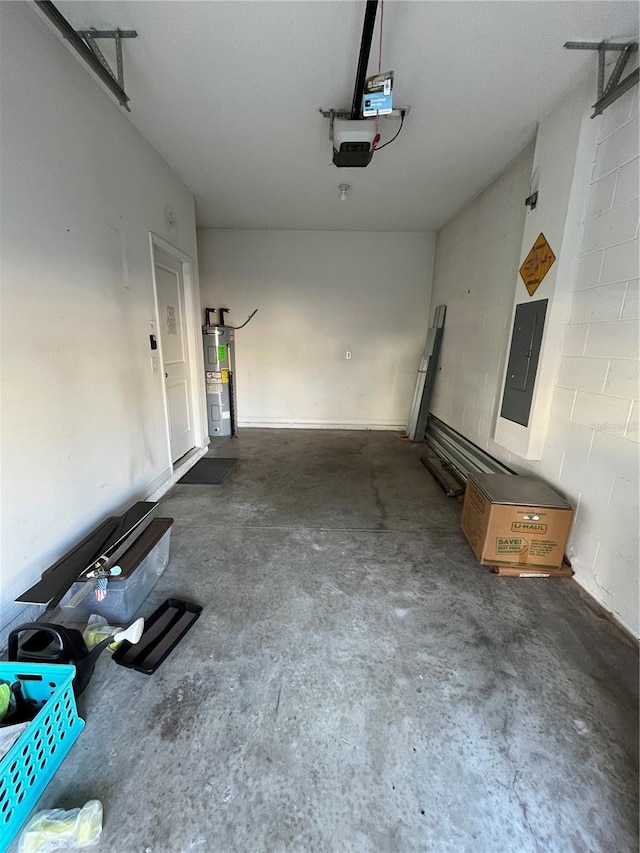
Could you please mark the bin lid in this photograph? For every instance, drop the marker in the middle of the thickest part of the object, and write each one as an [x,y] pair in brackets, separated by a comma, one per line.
[520,490]
[143,546]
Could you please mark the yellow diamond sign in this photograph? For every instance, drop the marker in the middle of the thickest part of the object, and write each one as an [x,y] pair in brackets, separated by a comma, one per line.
[537,264]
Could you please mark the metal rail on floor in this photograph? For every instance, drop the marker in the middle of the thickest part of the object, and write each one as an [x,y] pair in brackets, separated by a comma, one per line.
[462,455]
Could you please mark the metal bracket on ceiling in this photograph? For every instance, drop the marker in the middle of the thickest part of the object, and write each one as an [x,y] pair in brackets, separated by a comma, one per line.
[396,112]
[88,50]
[90,37]
[331,114]
[614,87]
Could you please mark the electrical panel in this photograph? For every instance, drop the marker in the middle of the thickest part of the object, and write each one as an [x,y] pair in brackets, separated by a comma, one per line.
[526,339]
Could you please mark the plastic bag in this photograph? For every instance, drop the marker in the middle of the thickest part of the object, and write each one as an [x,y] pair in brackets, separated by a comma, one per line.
[9,735]
[57,829]
[98,630]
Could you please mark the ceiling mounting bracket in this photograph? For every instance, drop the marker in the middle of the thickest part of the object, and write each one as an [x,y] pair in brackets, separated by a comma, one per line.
[396,112]
[90,37]
[84,44]
[611,90]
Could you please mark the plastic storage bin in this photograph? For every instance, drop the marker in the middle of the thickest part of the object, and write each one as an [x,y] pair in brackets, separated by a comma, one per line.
[29,766]
[142,565]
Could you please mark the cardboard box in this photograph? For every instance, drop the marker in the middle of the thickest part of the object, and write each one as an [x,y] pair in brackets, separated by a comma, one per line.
[516,521]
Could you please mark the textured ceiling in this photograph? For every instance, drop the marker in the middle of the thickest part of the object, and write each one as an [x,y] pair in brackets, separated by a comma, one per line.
[228,93]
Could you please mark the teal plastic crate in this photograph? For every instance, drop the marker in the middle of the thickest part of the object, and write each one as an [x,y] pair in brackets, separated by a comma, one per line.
[29,766]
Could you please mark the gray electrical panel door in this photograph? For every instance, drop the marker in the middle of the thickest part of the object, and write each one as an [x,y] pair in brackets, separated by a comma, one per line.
[526,339]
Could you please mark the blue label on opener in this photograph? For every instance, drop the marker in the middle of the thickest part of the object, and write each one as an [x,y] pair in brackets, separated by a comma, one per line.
[378,95]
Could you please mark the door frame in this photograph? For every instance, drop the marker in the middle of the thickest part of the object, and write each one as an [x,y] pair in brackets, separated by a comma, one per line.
[193,343]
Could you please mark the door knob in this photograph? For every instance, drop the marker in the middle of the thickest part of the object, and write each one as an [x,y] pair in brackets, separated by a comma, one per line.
[166,376]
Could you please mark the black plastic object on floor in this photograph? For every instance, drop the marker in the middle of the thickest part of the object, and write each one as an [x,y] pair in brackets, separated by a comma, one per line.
[163,631]
[106,542]
[48,643]
[208,472]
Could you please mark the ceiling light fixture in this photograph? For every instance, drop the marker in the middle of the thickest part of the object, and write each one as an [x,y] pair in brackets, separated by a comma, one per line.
[344,189]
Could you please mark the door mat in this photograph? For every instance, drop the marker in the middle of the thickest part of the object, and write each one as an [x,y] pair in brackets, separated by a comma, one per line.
[209,471]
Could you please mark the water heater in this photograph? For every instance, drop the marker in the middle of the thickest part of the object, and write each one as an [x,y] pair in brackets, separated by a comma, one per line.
[219,366]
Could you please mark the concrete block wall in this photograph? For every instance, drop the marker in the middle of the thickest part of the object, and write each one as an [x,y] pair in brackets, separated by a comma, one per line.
[590,452]
[592,447]
[476,265]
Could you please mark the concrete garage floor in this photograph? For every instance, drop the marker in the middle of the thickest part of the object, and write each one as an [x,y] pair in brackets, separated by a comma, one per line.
[356,681]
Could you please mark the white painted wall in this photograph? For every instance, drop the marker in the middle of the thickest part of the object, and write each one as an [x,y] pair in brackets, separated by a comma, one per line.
[83,425]
[562,164]
[590,448]
[476,264]
[319,295]
[597,389]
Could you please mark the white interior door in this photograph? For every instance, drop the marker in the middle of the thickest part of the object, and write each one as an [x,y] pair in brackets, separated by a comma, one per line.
[173,337]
